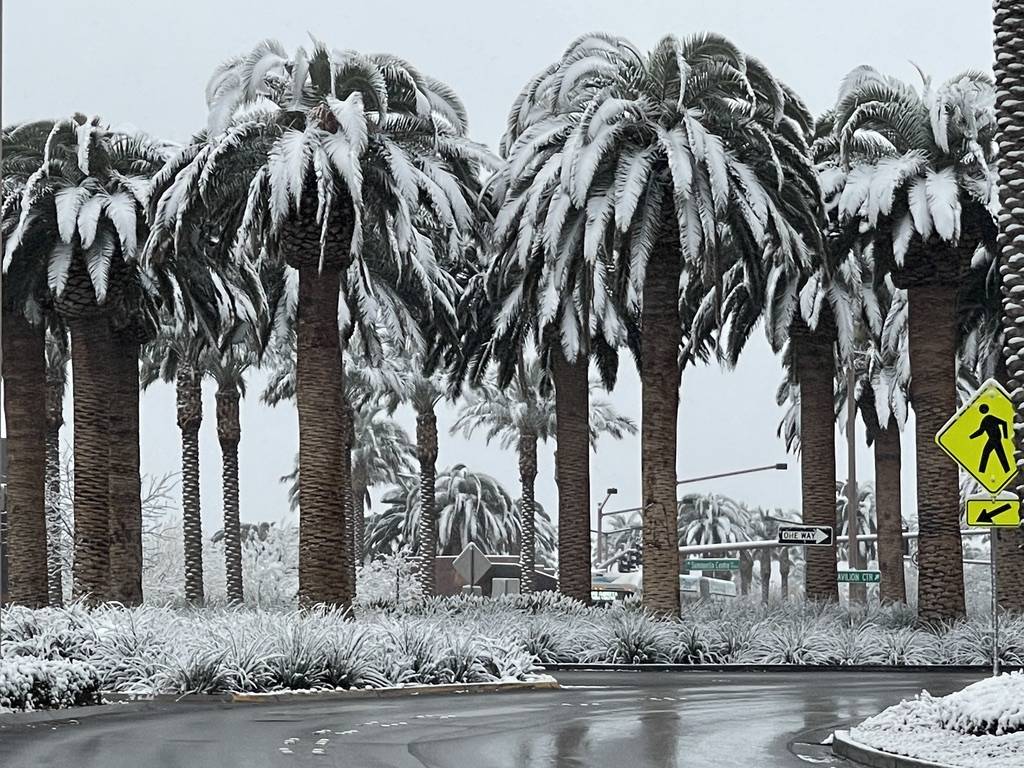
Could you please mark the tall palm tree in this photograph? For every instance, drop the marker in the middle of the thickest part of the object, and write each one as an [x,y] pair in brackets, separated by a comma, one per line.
[920,182]
[81,220]
[24,364]
[57,359]
[1009,49]
[228,367]
[178,356]
[667,189]
[521,415]
[472,508]
[334,157]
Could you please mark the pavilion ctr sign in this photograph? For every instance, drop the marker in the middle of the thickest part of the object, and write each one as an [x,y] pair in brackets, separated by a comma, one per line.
[806,535]
[859,577]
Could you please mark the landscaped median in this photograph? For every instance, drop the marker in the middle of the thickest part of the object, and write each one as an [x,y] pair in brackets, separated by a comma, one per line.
[462,641]
[981,726]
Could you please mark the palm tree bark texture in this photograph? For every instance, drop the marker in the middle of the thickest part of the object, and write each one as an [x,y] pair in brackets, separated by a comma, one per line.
[661,336]
[527,509]
[55,383]
[323,460]
[92,360]
[888,506]
[932,325]
[189,389]
[572,468]
[125,475]
[1009,74]
[229,434]
[426,536]
[814,362]
[348,507]
[24,374]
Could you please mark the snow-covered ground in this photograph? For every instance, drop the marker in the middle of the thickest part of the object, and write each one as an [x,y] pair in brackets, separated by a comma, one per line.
[981,726]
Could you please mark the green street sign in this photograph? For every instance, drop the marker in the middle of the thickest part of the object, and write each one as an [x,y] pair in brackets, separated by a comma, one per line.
[859,577]
[721,564]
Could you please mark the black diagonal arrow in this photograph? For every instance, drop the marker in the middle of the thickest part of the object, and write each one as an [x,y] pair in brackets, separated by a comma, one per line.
[988,516]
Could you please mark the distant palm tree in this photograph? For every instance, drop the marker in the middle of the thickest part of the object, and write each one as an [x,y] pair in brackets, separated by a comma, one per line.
[711,519]
[1009,50]
[922,188]
[57,359]
[521,415]
[472,507]
[179,356]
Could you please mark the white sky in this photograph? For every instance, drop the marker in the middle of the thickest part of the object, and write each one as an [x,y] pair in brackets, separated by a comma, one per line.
[146,63]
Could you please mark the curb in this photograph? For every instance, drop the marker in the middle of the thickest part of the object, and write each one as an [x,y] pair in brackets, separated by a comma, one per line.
[844,746]
[852,668]
[544,683]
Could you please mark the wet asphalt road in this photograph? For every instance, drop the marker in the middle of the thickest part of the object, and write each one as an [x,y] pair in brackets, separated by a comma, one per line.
[619,720]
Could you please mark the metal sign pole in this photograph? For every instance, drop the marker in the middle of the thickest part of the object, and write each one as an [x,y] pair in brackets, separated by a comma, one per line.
[993,539]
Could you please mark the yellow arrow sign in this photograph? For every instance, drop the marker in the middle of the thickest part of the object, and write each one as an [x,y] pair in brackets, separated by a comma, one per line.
[1002,511]
[980,437]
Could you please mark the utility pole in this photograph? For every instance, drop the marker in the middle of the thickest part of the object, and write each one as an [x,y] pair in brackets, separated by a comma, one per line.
[858,592]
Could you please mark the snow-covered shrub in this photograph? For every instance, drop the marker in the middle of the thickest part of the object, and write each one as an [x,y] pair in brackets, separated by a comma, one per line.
[994,706]
[388,581]
[28,683]
[630,638]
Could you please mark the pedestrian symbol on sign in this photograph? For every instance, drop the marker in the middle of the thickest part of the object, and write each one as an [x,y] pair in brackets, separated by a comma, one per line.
[979,437]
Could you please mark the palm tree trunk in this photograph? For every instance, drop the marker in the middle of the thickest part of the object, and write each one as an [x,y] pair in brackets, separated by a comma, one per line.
[322,456]
[92,359]
[814,363]
[125,477]
[190,417]
[784,564]
[24,373]
[661,336]
[765,559]
[888,505]
[348,510]
[54,514]
[229,434]
[1010,543]
[746,571]
[932,343]
[426,535]
[359,489]
[1009,52]
[527,509]
[572,470]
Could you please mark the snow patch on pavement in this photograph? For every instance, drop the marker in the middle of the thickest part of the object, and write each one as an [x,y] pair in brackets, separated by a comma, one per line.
[981,726]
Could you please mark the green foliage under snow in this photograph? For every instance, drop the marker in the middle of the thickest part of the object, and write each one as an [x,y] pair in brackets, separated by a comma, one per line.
[455,640]
[30,683]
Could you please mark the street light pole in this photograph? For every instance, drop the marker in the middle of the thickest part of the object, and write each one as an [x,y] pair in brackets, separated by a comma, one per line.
[858,592]
[600,521]
[781,465]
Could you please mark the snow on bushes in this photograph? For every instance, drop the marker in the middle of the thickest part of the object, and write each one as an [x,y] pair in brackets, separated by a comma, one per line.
[28,683]
[981,726]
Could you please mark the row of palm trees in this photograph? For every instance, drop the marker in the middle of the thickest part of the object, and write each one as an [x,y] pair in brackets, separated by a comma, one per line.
[663,201]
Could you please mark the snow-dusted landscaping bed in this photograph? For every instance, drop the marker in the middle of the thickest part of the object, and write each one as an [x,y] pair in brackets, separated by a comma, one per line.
[28,683]
[176,650]
[981,726]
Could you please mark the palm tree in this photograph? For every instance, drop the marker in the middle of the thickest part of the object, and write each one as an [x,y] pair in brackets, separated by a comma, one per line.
[228,368]
[178,356]
[471,507]
[520,416]
[663,182]
[711,519]
[23,373]
[57,359]
[921,183]
[81,221]
[1009,81]
[335,158]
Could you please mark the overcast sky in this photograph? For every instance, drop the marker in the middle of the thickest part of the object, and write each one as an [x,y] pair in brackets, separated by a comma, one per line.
[146,64]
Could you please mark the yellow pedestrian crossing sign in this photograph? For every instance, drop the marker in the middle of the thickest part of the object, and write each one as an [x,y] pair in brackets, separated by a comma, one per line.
[1002,511]
[980,437]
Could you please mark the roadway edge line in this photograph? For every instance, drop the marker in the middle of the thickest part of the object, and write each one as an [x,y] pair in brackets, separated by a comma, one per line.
[861,754]
[123,702]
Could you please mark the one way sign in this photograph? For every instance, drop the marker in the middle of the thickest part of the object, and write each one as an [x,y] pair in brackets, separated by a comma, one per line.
[806,535]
